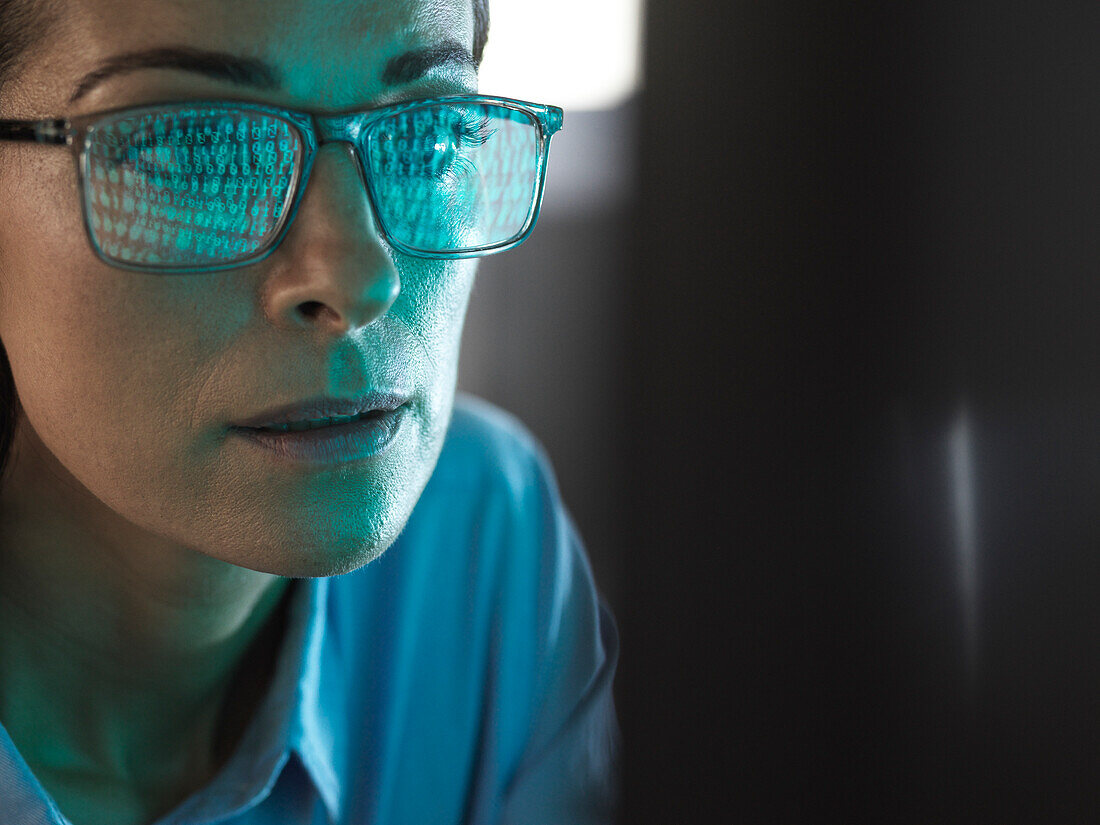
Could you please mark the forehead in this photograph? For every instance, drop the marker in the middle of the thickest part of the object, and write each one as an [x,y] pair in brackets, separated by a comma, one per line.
[328,54]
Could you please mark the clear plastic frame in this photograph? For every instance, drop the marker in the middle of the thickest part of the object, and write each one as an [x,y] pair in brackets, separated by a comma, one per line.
[204,185]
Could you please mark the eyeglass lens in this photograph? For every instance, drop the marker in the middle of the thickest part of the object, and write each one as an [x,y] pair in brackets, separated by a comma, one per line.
[204,186]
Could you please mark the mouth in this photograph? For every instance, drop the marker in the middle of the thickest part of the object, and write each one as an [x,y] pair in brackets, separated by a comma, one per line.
[322,423]
[328,440]
[322,412]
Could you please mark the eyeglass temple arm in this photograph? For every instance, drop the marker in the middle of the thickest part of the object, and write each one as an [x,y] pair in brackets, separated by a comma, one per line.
[40,131]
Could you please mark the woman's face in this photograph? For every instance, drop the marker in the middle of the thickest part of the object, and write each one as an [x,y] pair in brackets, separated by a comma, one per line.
[130,383]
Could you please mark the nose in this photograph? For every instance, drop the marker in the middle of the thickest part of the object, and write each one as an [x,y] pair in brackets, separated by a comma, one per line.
[333,270]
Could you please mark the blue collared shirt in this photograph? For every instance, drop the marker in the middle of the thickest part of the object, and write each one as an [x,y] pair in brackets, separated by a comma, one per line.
[463,677]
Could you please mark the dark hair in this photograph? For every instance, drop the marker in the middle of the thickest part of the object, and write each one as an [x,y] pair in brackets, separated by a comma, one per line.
[22,25]
[481,28]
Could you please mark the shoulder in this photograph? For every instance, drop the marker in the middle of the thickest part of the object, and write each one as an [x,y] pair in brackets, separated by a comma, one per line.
[488,449]
[482,617]
[493,505]
[491,509]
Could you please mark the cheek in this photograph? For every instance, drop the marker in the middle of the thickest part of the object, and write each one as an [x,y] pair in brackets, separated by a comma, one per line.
[432,304]
[433,301]
[109,366]
[41,221]
[63,312]
[118,375]
[432,307]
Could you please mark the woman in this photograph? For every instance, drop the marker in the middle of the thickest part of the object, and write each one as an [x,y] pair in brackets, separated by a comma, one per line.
[257,564]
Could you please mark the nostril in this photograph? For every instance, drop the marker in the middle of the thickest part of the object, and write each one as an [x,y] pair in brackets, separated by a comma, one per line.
[311,309]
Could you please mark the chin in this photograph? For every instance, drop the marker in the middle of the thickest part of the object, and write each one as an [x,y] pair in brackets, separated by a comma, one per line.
[296,564]
[326,565]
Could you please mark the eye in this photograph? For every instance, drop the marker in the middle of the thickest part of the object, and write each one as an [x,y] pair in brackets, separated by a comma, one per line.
[145,153]
[431,144]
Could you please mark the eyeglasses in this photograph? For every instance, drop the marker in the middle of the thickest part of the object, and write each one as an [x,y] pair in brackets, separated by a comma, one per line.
[200,186]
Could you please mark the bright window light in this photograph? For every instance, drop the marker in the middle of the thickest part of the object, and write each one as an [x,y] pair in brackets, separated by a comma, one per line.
[577,54]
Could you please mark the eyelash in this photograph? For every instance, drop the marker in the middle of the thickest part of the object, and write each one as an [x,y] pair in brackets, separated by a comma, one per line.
[479,135]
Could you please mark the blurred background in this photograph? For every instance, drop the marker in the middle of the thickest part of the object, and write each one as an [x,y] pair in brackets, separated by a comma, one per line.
[808,328]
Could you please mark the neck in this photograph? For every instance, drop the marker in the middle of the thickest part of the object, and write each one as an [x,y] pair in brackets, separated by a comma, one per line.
[119,649]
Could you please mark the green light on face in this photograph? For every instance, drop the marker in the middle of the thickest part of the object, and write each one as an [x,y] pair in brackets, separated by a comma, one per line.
[206,184]
[445,176]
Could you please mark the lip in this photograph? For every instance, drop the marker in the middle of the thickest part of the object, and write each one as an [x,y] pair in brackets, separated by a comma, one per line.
[319,407]
[331,444]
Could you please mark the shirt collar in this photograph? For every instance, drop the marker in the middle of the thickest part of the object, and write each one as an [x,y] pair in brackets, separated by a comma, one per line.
[24,797]
[319,727]
[304,712]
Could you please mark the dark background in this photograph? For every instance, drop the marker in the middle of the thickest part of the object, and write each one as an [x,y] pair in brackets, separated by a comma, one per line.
[820,383]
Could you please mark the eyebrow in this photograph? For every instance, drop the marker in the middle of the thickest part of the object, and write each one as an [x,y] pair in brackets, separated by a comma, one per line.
[410,66]
[248,71]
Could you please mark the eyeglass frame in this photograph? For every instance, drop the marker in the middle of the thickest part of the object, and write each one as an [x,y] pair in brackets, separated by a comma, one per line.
[315,129]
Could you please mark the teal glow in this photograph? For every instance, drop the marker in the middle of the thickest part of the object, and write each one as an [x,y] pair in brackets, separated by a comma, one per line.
[214,183]
[457,176]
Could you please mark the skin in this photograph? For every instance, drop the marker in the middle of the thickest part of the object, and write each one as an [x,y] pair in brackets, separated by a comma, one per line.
[146,551]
